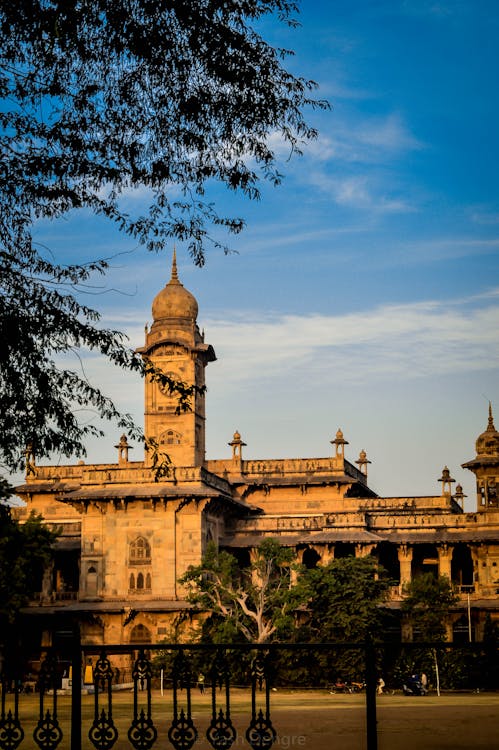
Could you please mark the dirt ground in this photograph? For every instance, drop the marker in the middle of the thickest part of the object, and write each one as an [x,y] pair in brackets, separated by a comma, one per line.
[315,720]
[465,722]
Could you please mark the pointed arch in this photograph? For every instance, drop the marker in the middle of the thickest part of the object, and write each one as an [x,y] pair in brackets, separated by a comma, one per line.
[140,551]
[170,437]
[140,634]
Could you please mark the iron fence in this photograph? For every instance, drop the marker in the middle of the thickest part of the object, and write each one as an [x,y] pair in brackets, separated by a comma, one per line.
[144,668]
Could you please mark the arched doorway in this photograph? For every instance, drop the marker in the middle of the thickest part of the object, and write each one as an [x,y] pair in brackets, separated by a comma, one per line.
[462,566]
[387,556]
[424,560]
[344,549]
[91,581]
[310,558]
[140,634]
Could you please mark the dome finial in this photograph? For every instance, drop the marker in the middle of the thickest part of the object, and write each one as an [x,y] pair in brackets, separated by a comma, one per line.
[174,276]
[490,425]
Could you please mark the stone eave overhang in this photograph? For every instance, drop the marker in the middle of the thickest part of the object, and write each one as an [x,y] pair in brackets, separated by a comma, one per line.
[437,536]
[154,493]
[44,487]
[109,607]
[290,539]
[300,480]
[206,350]
[481,461]
[67,544]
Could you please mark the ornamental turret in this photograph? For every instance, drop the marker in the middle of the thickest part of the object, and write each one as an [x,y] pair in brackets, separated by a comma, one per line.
[485,466]
[176,347]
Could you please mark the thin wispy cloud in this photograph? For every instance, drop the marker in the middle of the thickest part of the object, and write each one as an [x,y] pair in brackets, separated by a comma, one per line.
[360,192]
[486,218]
[370,140]
[390,341]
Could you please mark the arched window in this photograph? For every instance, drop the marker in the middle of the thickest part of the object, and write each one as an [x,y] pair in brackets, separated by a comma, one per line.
[132,581]
[148,581]
[140,551]
[311,558]
[92,581]
[170,437]
[140,581]
[140,634]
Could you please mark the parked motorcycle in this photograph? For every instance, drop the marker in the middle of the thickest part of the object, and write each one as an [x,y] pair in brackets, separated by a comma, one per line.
[413,686]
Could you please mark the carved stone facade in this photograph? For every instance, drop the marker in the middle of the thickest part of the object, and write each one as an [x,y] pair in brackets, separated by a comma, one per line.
[126,538]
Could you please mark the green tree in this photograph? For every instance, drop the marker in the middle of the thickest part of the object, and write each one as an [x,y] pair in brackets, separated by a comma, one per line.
[427,604]
[257,602]
[102,97]
[344,599]
[25,550]
[343,604]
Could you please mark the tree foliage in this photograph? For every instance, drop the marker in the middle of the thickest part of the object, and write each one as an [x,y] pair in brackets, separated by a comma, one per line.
[344,600]
[41,323]
[25,550]
[427,604]
[257,602]
[104,97]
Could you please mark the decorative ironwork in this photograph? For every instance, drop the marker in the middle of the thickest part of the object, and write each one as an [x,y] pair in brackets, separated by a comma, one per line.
[11,731]
[260,734]
[103,733]
[221,733]
[182,733]
[142,733]
[48,733]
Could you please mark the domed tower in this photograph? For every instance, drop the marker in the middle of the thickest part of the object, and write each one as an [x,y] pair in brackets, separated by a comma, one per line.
[175,345]
[486,466]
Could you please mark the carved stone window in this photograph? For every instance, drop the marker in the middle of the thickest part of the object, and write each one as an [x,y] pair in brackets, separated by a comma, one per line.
[140,634]
[170,437]
[140,582]
[140,552]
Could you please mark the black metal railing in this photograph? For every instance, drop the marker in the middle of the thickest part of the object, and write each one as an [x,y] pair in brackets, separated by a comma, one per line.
[255,667]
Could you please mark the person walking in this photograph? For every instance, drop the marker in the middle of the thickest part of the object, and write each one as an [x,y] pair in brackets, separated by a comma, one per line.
[201,683]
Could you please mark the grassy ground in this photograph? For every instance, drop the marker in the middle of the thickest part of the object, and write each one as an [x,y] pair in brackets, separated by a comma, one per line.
[314,720]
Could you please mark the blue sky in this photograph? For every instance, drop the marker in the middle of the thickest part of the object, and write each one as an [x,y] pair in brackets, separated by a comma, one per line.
[364,292]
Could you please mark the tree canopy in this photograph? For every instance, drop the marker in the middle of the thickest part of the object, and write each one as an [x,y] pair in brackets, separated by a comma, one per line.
[103,97]
[427,603]
[25,550]
[344,600]
[256,602]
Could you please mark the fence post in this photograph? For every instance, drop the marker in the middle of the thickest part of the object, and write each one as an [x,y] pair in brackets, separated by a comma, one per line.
[371,721]
[76,688]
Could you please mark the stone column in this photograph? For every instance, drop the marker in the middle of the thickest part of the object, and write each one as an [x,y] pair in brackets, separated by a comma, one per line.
[476,568]
[293,574]
[363,550]
[405,559]
[47,582]
[444,560]
[327,554]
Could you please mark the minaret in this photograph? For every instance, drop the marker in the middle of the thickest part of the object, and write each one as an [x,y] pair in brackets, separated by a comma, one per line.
[175,345]
[486,466]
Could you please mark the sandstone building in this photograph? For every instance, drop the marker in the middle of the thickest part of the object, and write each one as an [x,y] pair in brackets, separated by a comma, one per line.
[126,538]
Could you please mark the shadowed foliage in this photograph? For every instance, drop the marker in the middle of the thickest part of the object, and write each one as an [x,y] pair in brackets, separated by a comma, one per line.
[101,98]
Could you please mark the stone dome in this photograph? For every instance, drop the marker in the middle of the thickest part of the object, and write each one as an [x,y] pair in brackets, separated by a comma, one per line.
[174,301]
[487,444]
